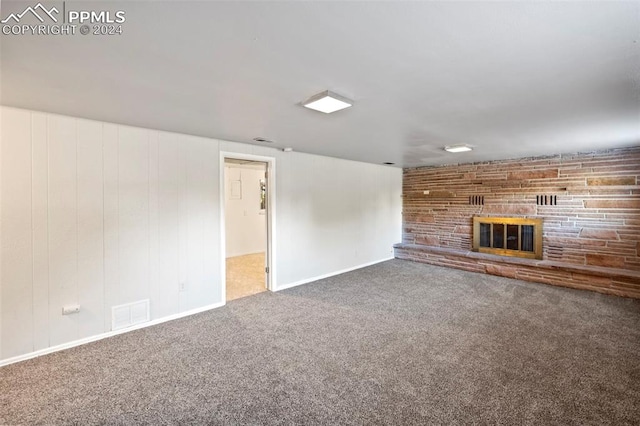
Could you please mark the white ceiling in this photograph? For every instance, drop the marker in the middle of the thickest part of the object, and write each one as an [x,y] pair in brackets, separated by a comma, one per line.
[512,79]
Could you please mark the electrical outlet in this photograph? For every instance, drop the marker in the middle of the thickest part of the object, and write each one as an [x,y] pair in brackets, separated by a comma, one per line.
[70,309]
[182,286]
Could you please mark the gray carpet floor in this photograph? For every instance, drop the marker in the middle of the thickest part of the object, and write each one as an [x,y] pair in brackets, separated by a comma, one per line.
[395,343]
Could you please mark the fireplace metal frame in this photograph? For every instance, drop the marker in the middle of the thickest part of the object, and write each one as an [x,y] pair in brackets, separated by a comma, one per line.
[537,236]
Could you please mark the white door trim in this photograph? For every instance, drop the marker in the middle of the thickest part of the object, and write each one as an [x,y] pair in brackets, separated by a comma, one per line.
[271,218]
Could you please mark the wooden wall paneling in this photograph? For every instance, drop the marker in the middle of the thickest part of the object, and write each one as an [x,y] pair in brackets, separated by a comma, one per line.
[63,228]
[168,236]
[90,229]
[154,284]
[16,243]
[40,212]
[133,213]
[111,221]
[195,215]
[211,223]
[99,214]
[183,219]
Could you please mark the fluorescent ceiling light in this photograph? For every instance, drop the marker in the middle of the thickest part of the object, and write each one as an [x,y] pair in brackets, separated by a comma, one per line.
[458,148]
[327,102]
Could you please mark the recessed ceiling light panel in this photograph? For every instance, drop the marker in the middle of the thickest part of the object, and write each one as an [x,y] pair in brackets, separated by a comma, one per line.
[327,102]
[458,148]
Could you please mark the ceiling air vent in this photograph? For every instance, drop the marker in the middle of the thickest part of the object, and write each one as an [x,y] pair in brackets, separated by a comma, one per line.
[263,140]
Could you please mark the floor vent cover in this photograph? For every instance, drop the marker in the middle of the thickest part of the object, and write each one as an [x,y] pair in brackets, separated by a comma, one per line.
[123,316]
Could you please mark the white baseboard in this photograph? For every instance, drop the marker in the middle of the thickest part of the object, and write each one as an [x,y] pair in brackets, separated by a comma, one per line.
[105,335]
[331,274]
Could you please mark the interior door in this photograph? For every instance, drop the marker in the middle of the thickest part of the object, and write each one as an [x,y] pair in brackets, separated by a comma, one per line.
[265,201]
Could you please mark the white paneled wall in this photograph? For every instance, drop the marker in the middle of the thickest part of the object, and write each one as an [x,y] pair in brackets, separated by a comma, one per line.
[16,239]
[99,215]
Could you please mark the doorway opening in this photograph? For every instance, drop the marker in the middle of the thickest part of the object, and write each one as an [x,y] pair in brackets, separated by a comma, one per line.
[246,209]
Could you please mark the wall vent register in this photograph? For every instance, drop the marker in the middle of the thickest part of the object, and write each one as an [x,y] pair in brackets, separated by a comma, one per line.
[476,200]
[508,236]
[547,200]
[130,314]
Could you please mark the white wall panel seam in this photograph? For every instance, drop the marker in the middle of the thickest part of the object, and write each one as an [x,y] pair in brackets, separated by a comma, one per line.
[104,233]
[33,290]
[48,227]
[77,287]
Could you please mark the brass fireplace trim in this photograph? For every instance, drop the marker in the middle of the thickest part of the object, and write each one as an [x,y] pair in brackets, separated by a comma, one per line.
[537,236]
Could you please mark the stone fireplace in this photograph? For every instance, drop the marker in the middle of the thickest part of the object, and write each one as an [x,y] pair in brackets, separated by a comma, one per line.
[476,217]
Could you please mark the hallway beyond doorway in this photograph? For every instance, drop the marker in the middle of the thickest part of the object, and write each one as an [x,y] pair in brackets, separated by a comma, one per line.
[245,275]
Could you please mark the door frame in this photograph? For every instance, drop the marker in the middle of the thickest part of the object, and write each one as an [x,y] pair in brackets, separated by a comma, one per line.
[271,218]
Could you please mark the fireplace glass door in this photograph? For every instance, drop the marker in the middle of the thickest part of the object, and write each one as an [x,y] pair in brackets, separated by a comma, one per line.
[508,236]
